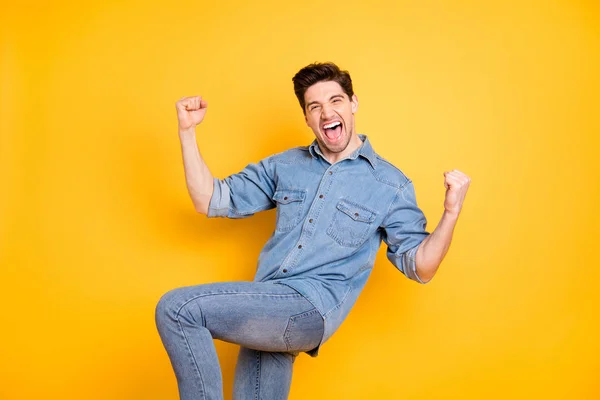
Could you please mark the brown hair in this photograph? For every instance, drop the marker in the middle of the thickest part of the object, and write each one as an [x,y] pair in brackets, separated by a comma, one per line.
[319,72]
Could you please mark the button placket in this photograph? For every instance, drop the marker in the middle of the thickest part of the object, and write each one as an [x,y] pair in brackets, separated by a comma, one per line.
[321,196]
[330,172]
[308,229]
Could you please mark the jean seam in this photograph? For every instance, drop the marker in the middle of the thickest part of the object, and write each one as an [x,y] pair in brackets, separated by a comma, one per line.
[234,293]
[286,336]
[257,385]
[191,353]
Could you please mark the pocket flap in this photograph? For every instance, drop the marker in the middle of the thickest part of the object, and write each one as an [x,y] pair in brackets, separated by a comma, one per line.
[286,196]
[356,212]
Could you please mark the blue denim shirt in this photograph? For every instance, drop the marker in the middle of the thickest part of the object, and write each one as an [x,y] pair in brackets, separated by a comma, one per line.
[331,219]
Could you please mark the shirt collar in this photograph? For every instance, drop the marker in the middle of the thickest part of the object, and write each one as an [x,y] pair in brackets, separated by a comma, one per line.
[365,150]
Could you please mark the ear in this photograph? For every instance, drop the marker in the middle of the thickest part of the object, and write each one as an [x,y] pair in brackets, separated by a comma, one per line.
[306,119]
[354,103]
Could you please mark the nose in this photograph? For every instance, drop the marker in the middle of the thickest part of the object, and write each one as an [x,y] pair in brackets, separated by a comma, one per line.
[327,112]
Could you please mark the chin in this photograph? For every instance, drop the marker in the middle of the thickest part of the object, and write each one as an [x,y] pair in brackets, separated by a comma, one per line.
[337,148]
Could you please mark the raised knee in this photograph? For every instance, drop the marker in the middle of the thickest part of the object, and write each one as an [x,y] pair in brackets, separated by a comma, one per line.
[176,305]
[168,306]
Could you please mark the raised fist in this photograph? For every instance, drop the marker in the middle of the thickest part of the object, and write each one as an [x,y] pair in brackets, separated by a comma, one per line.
[457,184]
[190,111]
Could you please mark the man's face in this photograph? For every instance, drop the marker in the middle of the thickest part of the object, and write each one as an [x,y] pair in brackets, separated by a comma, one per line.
[330,115]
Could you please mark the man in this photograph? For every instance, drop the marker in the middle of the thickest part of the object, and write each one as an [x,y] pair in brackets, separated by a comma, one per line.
[336,201]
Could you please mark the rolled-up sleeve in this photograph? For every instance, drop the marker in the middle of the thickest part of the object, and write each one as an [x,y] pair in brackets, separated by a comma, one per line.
[220,200]
[245,193]
[404,229]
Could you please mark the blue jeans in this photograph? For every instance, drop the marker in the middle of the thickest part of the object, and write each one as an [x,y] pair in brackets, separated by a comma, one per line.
[271,322]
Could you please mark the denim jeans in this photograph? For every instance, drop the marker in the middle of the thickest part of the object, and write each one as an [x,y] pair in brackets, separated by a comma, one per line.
[271,322]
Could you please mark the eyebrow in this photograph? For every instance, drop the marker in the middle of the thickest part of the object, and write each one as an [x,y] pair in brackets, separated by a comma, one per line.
[331,98]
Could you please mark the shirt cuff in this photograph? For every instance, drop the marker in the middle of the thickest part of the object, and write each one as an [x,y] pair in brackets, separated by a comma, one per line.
[409,261]
[220,200]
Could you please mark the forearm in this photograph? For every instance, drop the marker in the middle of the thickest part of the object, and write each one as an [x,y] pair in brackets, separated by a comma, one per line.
[198,178]
[434,247]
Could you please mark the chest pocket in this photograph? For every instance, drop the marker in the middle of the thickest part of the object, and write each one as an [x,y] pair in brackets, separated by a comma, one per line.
[351,224]
[290,203]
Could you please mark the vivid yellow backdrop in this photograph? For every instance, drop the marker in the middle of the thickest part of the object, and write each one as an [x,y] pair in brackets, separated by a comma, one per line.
[95,222]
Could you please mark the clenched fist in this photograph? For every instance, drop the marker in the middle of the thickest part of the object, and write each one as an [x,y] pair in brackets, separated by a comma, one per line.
[190,111]
[456,184]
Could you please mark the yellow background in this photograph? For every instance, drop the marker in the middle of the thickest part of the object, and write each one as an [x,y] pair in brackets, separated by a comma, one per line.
[96,224]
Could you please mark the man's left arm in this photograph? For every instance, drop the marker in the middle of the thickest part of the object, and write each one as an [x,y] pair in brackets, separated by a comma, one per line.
[434,247]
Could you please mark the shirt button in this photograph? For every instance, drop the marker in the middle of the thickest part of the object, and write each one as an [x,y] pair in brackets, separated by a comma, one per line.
[320,196]
[310,221]
[330,173]
[356,214]
[285,198]
[299,246]
[284,270]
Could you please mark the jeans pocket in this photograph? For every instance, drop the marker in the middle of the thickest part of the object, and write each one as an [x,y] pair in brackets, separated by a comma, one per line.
[290,203]
[351,224]
[304,331]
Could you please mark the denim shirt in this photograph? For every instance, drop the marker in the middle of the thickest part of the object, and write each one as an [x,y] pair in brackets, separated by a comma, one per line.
[331,219]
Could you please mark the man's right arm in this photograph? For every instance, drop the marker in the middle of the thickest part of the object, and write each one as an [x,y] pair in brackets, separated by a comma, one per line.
[199,180]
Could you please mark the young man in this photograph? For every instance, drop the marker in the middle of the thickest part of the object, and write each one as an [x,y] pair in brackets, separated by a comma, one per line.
[336,201]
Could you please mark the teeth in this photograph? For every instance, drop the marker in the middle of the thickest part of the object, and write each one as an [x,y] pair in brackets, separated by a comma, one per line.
[332,125]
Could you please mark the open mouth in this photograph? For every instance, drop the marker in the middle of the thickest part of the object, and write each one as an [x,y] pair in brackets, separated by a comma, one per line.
[333,130]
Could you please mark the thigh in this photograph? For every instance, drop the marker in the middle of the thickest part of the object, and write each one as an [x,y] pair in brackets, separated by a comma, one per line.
[257,315]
